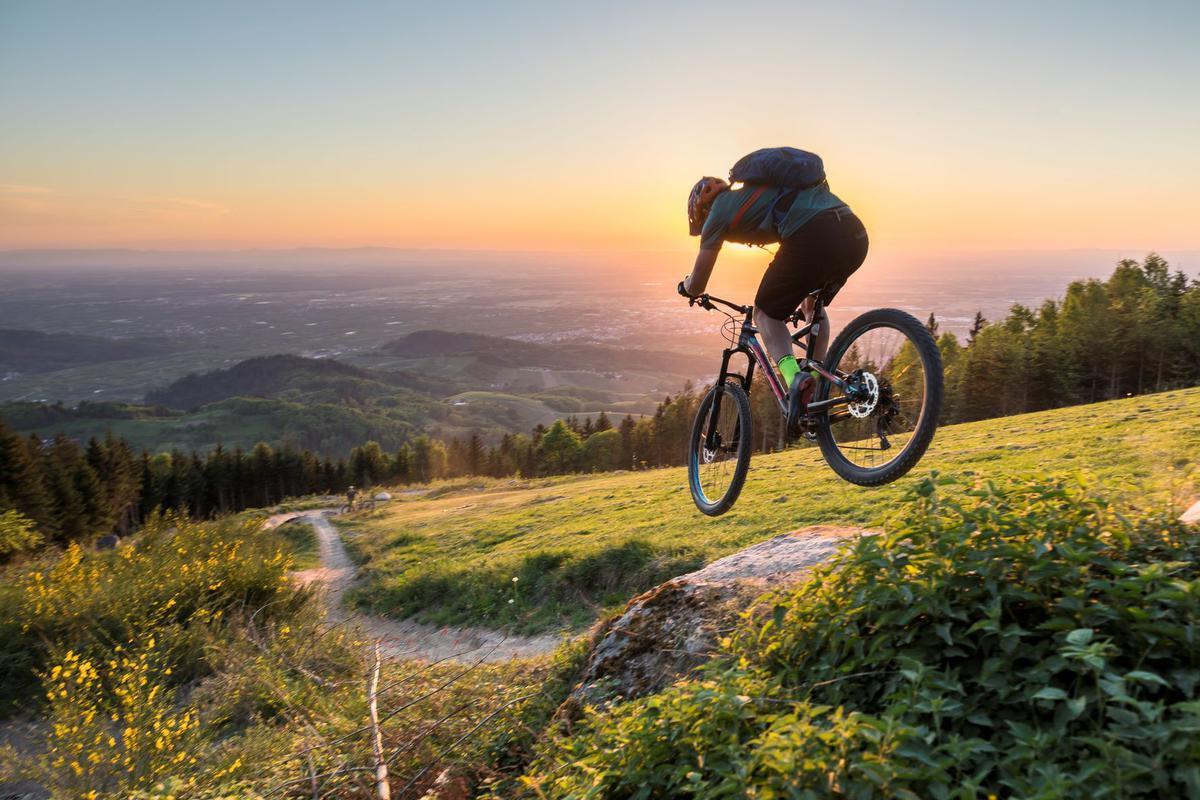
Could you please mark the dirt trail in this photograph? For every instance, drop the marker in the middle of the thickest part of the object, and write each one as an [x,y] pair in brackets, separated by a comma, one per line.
[402,638]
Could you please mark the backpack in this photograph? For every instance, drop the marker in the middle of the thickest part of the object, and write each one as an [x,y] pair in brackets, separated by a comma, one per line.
[785,167]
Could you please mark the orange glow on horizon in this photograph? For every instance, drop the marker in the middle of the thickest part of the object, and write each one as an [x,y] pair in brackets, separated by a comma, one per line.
[568,217]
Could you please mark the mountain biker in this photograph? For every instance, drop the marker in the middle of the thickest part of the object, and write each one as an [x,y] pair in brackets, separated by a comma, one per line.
[351,494]
[821,244]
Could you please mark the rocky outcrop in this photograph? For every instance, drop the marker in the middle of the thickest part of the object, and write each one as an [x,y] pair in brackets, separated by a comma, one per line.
[673,628]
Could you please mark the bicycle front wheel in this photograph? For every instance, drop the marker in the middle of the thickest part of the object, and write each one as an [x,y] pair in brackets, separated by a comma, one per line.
[887,414]
[719,448]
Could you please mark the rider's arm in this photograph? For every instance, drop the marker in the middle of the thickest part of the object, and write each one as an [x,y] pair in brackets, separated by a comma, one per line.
[698,280]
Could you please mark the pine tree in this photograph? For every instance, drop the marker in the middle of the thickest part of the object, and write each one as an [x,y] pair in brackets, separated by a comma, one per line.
[976,327]
[262,467]
[475,454]
[21,481]
[931,325]
[402,465]
[628,424]
[150,496]
[77,497]
[113,463]
[368,465]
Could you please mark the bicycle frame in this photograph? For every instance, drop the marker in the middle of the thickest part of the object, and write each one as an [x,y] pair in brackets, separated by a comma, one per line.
[749,346]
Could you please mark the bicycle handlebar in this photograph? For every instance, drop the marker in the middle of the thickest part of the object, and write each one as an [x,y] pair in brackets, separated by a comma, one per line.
[706,301]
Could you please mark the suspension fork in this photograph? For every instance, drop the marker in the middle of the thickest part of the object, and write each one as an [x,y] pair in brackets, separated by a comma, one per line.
[714,415]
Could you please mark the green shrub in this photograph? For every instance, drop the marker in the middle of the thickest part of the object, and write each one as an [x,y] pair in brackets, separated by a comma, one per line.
[1026,641]
[17,534]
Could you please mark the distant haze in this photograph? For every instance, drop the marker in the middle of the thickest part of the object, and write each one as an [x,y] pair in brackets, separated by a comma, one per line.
[740,266]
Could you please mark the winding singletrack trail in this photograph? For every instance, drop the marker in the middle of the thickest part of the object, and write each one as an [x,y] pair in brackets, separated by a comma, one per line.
[401,638]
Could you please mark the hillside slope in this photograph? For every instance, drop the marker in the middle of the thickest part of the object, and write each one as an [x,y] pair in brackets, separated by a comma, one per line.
[502,351]
[35,351]
[275,376]
[323,405]
[1010,638]
[576,545]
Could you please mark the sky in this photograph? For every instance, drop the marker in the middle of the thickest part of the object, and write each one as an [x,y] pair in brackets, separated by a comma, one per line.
[581,126]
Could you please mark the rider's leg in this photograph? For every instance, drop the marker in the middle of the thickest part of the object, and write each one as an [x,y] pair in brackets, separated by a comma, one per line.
[778,340]
[821,344]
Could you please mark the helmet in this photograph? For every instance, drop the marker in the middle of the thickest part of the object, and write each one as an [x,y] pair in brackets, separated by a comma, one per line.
[700,201]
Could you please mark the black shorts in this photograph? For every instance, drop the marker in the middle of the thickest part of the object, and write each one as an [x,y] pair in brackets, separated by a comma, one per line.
[823,254]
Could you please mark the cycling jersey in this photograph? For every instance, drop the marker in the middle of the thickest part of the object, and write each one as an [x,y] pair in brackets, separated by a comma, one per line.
[763,215]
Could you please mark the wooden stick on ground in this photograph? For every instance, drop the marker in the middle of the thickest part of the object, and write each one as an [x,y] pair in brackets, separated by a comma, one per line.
[381,774]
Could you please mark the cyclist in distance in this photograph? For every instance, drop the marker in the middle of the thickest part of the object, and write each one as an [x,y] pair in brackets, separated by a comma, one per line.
[821,244]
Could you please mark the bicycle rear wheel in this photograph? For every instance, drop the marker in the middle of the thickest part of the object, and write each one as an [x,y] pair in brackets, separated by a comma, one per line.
[719,448]
[893,373]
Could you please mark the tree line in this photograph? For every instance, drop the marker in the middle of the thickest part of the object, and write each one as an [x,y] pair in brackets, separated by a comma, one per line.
[1138,331]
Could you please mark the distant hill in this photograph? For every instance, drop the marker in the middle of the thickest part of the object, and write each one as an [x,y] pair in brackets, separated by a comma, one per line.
[34,351]
[330,406]
[503,352]
[291,377]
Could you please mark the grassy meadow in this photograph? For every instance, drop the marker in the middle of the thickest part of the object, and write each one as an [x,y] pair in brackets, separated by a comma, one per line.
[187,664]
[302,543]
[579,545]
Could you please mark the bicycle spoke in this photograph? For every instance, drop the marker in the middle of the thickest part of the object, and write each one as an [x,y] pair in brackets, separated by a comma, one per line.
[887,354]
[715,466]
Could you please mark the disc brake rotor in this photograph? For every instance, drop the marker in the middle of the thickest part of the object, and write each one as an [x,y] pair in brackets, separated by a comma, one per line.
[709,456]
[866,398]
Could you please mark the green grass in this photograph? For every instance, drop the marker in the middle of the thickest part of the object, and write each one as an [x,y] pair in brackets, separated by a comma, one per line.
[579,545]
[302,543]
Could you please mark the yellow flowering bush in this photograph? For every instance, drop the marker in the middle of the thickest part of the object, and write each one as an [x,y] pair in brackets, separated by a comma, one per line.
[120,647]
[113,724]
[174,574]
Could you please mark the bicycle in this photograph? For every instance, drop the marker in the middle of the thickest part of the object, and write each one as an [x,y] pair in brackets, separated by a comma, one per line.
[359,504]
[879,389]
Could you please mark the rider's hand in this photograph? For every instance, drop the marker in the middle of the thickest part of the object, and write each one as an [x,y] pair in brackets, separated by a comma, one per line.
[682,289]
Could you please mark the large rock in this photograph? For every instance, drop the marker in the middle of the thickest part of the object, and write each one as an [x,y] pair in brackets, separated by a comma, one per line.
[673,628]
